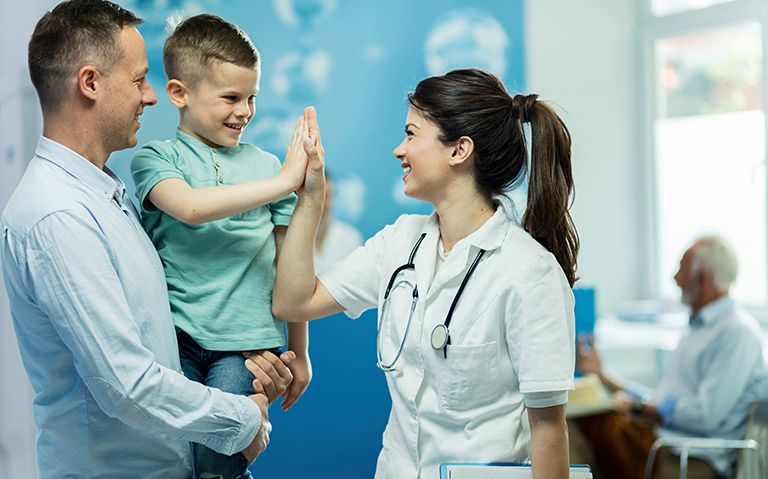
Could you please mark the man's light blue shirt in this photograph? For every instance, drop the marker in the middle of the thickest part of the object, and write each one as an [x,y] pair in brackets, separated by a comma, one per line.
[712,378]
[90,307]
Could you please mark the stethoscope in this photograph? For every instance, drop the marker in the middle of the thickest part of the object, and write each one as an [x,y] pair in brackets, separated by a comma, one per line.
[441,336]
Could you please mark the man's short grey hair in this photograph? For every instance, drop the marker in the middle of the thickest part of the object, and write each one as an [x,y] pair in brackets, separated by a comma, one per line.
[716,255]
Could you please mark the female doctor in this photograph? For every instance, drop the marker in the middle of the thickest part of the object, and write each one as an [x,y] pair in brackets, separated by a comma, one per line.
[475,311]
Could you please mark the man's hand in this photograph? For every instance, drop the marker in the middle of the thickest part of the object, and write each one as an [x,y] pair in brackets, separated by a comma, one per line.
[301,368]
[261,440]
[272,375]
[622,402]
[587,359]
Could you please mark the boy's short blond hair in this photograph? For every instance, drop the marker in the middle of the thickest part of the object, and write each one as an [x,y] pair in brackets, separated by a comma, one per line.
[202,39]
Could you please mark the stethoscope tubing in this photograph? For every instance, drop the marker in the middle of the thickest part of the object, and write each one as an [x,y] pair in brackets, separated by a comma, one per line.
[385,306]
[443,344]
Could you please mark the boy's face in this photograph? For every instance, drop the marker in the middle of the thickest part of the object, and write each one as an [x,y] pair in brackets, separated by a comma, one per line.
[221,105]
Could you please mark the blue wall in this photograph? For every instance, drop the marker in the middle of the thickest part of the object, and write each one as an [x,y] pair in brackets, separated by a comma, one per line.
[355,61]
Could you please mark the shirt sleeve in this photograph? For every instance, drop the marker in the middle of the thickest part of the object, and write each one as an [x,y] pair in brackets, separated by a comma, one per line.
[354,281]
[78,288]
[152,164]
[545,399]
[540,329]
[282,209]
[729,366]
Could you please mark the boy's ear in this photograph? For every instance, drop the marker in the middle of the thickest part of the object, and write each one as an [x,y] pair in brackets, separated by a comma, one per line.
[177,93]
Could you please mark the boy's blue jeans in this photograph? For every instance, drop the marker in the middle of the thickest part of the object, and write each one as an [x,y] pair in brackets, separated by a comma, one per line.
[223,370]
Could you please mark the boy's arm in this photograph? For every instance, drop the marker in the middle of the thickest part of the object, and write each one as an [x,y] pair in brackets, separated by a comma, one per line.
[298,342]
[201,205]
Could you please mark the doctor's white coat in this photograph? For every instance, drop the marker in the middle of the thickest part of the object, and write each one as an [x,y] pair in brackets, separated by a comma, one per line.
[512,336]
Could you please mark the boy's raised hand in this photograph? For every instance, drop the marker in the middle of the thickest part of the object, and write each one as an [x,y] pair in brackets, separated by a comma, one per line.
[295,164]
[314,182]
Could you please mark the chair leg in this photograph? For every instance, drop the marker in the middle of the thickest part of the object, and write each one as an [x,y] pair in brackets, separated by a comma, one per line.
[683,463]
[651,459]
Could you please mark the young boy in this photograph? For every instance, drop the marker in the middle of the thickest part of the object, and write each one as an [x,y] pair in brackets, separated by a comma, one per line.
[217,210]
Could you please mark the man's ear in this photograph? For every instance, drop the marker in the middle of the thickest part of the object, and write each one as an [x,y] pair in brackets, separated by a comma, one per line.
[177,93]
[89,82]
[462,151]
[707,279]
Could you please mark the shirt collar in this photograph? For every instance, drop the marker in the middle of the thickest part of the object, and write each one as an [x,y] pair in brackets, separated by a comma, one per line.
[104,182]
[716,309]
[193,142]
[489,236]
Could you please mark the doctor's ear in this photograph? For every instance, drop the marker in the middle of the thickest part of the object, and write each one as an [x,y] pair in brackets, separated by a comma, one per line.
[177,93]
[462,151]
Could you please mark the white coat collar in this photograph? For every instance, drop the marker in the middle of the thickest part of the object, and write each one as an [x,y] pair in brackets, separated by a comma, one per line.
[490,236]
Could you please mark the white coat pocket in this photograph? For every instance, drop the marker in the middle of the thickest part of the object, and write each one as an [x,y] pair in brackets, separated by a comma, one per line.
[471,375]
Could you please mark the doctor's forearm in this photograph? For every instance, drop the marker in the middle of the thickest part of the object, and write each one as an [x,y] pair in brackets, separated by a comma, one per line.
[549,442]
[295,282]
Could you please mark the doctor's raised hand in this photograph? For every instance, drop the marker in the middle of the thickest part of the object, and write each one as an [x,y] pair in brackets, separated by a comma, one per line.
[314,180]
[268,370]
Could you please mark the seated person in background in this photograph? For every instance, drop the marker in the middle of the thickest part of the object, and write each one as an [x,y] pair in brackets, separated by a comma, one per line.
[706,388]
[335,239]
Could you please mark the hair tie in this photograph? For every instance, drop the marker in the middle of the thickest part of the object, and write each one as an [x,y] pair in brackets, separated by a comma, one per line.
[523,104]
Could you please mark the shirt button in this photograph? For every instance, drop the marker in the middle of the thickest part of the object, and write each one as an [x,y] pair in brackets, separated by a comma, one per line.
[203,440]
[221,180]
[218,165]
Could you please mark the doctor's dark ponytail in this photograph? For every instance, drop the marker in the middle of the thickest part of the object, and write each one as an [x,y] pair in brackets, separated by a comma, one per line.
[476,104]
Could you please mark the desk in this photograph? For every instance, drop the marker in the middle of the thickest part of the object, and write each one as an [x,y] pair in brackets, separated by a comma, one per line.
[637,350]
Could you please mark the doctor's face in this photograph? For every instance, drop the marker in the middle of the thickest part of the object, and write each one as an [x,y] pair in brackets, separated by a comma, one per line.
[424,158]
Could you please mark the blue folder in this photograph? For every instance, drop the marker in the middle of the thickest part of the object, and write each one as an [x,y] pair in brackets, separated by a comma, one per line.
[585,311]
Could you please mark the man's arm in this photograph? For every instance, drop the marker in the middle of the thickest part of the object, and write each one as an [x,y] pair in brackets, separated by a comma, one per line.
[549,442]
[76,285]
[728,367]
[588,361]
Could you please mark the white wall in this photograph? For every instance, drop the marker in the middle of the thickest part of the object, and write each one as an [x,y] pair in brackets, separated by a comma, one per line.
[584,57]
[20,126]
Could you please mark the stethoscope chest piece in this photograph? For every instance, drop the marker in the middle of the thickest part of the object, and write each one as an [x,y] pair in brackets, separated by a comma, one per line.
[439,337]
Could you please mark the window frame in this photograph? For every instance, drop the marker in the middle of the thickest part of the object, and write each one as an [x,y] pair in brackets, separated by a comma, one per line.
[653,28]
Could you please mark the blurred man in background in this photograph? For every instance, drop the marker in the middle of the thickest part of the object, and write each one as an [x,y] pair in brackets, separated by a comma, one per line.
[706,390]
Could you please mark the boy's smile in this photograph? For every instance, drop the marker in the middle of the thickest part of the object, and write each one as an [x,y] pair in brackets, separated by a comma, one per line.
[219,107]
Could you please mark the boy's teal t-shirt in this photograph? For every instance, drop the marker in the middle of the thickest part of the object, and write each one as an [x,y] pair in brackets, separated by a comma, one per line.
[220,274]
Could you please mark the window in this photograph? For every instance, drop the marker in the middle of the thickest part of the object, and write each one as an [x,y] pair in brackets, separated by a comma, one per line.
[665,7]
[707,125]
